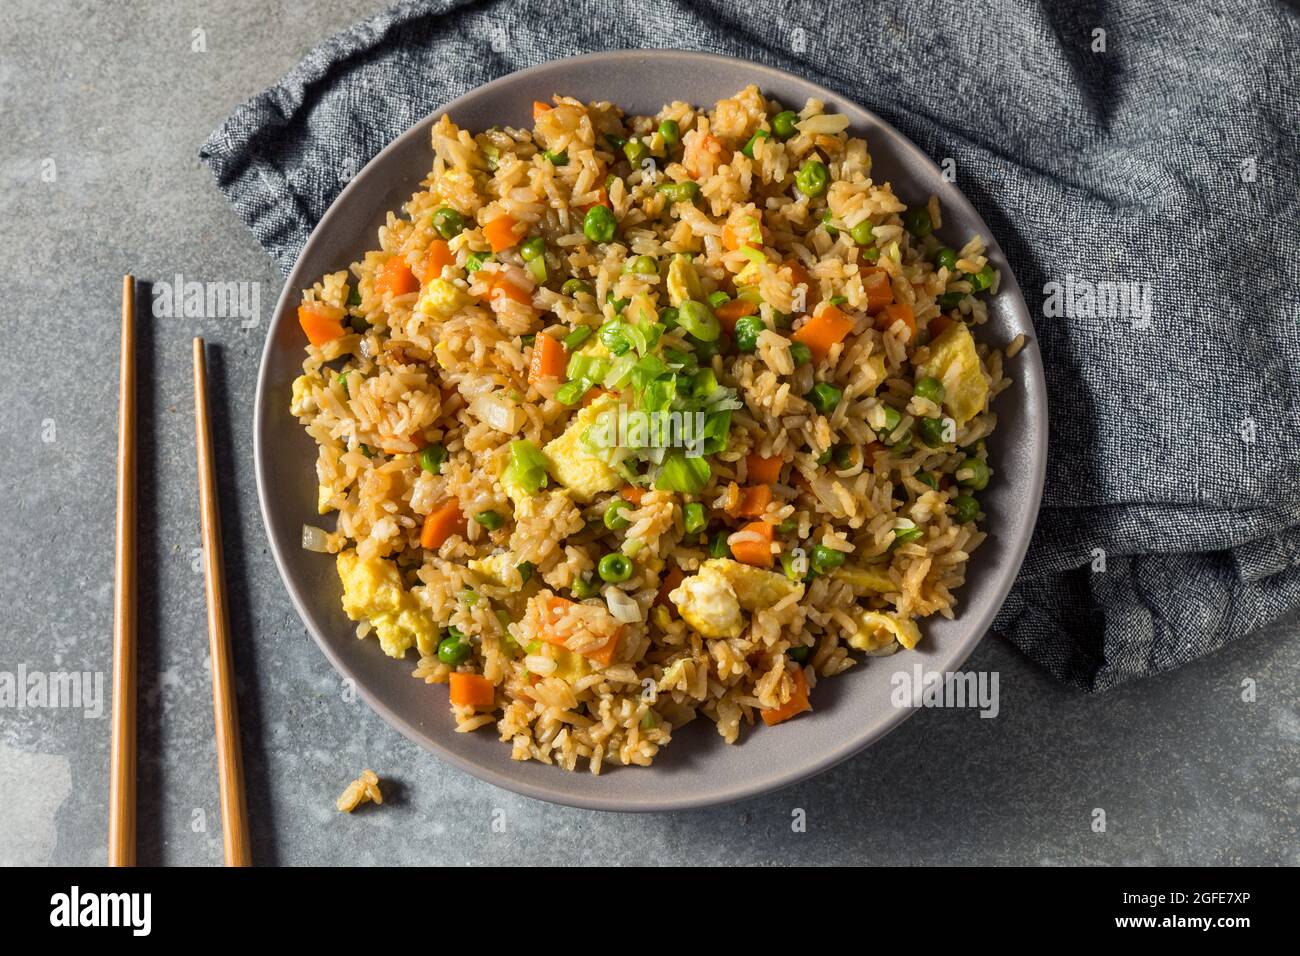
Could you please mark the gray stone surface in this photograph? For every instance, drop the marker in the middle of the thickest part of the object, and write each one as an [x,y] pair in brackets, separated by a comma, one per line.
[1186,771]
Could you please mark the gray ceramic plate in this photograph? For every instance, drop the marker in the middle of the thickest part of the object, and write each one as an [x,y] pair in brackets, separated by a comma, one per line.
[697,769]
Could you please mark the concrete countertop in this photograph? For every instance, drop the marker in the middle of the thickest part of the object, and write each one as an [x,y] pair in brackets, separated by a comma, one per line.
[105,109]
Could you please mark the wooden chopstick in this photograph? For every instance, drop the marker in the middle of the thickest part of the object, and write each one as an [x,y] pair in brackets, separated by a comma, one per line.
[122,762]
[230,767]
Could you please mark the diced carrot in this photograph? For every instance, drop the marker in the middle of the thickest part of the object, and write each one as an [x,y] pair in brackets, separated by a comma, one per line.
[672,578]
[470,690]
[321,322]
[602,199]
[593,394]
[875,283]
[707,147]
[396,277]
[500,233]
[539,108]
[549,359]
[441,523]
[823,330]
[633,493]
[732,311]
[501,285]
[753,501]
[797,703]
[763,471]
[438,257]
[756,553]
[604,653]
[800,276]
[895,312]
[733,240]
[938,325]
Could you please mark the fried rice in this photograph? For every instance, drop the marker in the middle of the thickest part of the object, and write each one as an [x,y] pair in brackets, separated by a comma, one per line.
[632,419]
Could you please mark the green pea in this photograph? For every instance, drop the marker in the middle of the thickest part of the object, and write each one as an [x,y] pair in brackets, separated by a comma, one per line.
[694,517]
[572,287]
[917,221]
[862,233]
[614,567]
[475,261]
[931,431]
[342,379]
[825,456]
[532,248]
[869,253]
[950,300]
[573,341]
[366,450]
[599,224]
[826,224]
[799,654]
[556,159]
[668,317]
[966,507]
[453,651]
[431,458]
[642,266]
[945,258]
[844,456]
[698,321]
[892,418]
[901,443]
[613,518]
[825,559]
[615,141]
[783,124]
[670,132]
[928,478]
[448,223]
[635,151]
[718,547]
[526,341]
[748,148]
[747,331]
[800,354]
[525,569]
[718,298]
[978,477]
[489,519]
[929,388]
[680,192]
[787,526]
[812,178]
[354,296]
[583,587]
[983,279]
[825,396]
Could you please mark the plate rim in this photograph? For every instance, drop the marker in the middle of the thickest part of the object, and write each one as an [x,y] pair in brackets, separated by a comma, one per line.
[910,154]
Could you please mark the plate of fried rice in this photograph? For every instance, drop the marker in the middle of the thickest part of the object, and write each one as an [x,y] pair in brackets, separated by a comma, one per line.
[627,427]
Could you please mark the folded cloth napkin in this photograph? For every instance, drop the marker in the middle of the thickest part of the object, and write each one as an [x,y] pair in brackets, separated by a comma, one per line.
[1136,160]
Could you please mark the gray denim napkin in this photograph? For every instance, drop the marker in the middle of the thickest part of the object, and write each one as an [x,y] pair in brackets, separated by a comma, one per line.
[1137,161]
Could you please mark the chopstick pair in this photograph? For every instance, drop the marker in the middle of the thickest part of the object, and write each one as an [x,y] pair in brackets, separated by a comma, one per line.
[122,764]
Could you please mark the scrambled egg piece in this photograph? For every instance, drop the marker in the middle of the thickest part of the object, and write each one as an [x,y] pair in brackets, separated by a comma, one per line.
[499,569]
[323,495]
[954,362]
[878,631]
[440,298]
[867,577]
[711,600]
[575,466]
[372,591]
[303,401]
[683,282]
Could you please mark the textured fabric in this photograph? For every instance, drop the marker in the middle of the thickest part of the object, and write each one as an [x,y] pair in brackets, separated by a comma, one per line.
[1171,518]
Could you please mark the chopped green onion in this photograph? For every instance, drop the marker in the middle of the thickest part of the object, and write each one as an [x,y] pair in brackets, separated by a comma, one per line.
[694,517]
[573,341]
[698,321]
[683,474]
[527,467]
[489,519]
